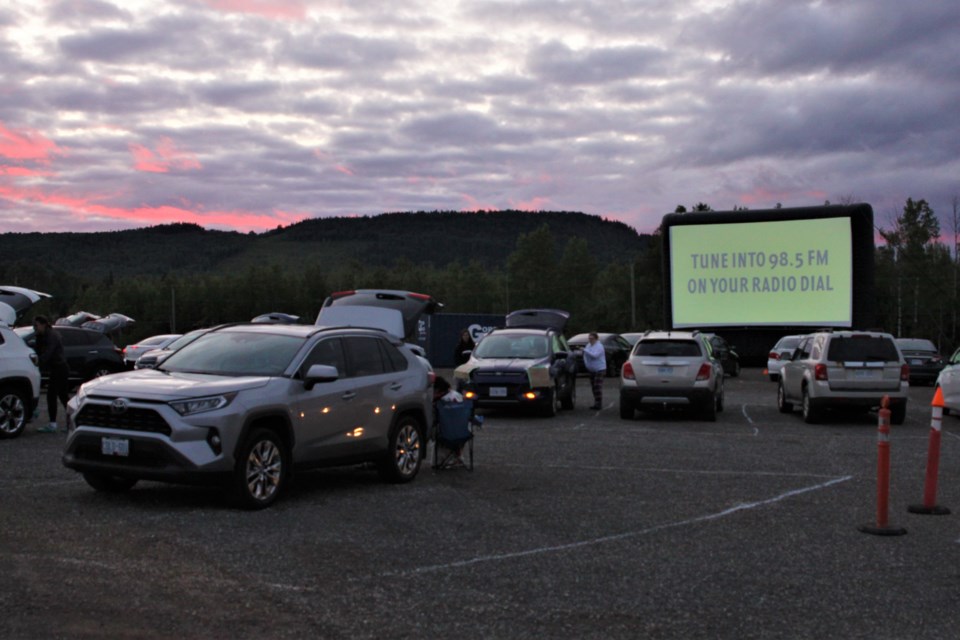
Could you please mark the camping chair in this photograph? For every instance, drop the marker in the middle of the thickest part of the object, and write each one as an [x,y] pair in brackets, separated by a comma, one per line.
[455,425]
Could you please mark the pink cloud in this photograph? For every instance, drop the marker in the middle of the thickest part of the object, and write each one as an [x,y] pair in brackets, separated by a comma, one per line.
[26,145]
[537,203]
[282,9]
[344,170]
[475,205]
[22,172]
[165,157]
[87,208]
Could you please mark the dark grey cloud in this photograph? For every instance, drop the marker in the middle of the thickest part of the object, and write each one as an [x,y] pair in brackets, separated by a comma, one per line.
[557,63]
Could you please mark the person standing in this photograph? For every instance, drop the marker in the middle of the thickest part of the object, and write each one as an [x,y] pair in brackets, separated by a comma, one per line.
[54,362]
[595,361]
[465,344]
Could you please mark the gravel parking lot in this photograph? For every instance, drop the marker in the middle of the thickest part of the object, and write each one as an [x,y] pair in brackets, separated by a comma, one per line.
[581,526]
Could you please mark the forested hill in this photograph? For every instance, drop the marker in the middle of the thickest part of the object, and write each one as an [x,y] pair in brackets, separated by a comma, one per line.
[434,238]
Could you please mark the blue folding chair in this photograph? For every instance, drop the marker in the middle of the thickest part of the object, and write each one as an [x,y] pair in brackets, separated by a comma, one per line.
[455,426]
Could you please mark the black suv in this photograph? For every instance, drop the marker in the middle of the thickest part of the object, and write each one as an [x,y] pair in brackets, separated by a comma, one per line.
[527,363]
[90,353]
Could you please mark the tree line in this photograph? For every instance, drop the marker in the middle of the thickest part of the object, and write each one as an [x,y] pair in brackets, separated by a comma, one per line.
[916,284]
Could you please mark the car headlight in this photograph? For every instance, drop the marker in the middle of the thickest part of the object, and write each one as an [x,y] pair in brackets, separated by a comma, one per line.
[200,405]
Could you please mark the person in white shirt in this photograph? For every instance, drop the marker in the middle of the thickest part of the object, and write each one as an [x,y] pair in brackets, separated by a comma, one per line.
[595,361]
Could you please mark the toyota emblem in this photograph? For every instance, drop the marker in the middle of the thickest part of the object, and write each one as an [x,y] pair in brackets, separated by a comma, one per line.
[119,406]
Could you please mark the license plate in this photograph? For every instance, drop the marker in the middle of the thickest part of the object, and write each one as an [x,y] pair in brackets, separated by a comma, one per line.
[864,374]
[916,362]
[665,371]
[498,392]
[115,446]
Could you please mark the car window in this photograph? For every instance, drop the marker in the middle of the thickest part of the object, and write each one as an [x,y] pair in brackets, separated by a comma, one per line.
[916,345]
[363,356]
[393,357]
[72,338]
[862,347]
[328,352]
[667,348]
[803,349]
[236,353]
[787,343]
[512,346]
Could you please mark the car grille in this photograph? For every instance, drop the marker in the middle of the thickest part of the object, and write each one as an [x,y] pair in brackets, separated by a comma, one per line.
[133,419]
[500,378]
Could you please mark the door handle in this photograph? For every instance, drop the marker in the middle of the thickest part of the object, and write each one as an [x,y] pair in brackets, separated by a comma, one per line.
[396,386]
[349,395]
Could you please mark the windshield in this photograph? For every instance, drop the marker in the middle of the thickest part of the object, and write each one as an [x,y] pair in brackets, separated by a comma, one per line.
[909,344]
[512,346]
[862,348]
[236,353]
[185,339]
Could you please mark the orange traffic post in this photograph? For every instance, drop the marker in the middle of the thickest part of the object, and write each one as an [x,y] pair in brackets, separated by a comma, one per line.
[929,506]
[882,528]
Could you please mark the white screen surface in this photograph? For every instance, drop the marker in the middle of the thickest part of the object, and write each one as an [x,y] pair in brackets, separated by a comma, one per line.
[770,273]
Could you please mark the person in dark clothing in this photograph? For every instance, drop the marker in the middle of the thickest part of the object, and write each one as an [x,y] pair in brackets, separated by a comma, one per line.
[465,344]
[54,362]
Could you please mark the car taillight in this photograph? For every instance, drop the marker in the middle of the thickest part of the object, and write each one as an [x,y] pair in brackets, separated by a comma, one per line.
[820,372]
[124,351]
[340,294]
[431,377]
[904,373]
[704,373]
[773,355]
[627,372]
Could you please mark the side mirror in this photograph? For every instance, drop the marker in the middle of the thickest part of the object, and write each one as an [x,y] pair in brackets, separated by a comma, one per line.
[319,373]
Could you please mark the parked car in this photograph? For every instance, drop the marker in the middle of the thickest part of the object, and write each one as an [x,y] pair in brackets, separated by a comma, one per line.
[150,359]
[949,383]
[19,375]
[276,317]
[780,352]
[525,364]
[924,359]
[89,352]
[245,405]
[615,348]
[725,353]
[132,352]
[632,337]
[671,370]
[844,370]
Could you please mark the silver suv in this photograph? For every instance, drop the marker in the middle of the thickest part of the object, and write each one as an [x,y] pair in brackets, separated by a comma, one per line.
[245,405]
[844,369]
[19,375]
[671,370]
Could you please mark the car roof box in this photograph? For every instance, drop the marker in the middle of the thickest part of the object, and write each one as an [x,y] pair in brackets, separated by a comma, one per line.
[15,301]
[109,324]
[538,318]
[412,306]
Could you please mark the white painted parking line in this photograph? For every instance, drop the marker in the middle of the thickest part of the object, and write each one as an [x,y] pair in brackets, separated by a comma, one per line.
[708,472]
[619,536]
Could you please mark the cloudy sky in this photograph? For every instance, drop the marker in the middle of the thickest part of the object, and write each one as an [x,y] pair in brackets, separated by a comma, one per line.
[248,114]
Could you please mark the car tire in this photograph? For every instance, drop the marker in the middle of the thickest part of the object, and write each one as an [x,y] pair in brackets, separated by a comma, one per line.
[782,404]
[13,412]
[720,400]
[627,411]
[106,483]
[774,377]
[569,400]
[898,413]
[736,370]
[811,415]
[405,451]
[261,471]
[100,369]
[548,405]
